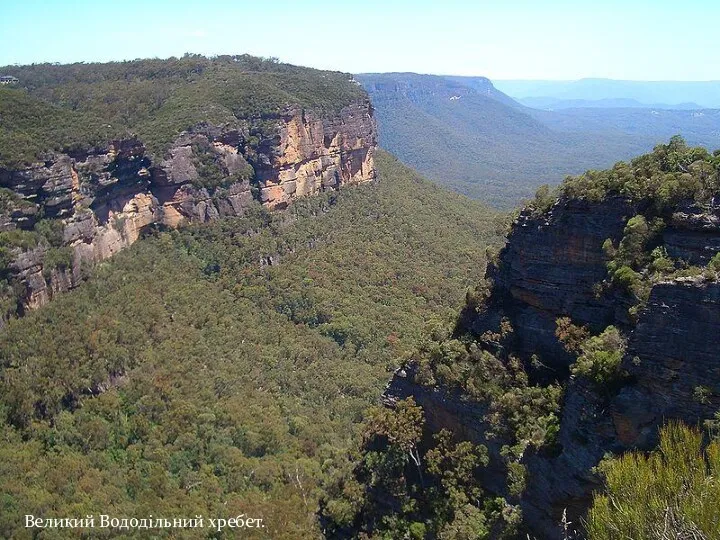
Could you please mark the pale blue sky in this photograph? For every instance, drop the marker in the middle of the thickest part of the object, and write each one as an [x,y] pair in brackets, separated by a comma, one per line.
[522,39]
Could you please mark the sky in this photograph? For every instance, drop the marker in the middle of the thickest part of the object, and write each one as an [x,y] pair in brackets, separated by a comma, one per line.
[511,39]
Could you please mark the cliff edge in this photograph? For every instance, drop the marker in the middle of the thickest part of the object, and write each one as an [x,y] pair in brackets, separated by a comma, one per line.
[72,206]
[623,262]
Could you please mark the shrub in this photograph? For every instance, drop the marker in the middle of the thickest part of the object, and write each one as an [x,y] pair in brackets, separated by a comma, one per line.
[57,259]
[670,173]
[544,199]
[671,493]
[600,357]
[571,336]
[715,262]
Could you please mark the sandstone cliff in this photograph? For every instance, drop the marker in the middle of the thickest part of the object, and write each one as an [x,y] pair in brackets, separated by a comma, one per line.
[551,267]
[102,200]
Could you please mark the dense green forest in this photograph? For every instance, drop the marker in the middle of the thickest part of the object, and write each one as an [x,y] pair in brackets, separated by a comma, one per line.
[408,483]
[225,368]
[465,134]
[56,107]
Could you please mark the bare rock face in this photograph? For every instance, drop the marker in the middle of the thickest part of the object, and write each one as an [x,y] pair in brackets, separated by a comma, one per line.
[549,269]
[107,198]
[694,234]
[315,154]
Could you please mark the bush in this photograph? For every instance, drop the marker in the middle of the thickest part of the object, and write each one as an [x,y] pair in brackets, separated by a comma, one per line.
[661,179]
[671,493]
[570,335]
[544,199]
[600,358]
[715,263]
[57,259]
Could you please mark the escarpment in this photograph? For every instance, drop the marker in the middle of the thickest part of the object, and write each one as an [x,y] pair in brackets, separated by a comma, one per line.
[644,266]
[90,204]
[550,268]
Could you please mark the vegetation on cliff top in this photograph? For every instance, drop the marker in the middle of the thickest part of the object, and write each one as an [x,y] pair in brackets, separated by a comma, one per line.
[82,105]
[29,127]
[224,369]
[515,402]
[673,178]
[663,178]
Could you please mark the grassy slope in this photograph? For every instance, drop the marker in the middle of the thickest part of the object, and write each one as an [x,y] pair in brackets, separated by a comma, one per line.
[241,385]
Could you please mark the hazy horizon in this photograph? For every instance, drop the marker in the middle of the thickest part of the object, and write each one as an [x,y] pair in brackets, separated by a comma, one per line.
[636,40]
[439,74]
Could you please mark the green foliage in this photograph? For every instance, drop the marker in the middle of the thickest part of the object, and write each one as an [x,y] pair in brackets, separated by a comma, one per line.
[544,199]
[77,106]
[18,238]
[9,200]
[454,464]
[702,394]
[437,494]
[715,262]
[520,413]
[401,426]
[57,259]
[186,378]
[477,297]
[446,491]
[212,174]
[51,230]
[671,493]
[516,478]
[634,265]
[672,173]
[600,358]
[31,127]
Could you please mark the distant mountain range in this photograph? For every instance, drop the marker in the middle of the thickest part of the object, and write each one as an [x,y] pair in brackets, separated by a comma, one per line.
[602,92]
[554,104]
[465,133]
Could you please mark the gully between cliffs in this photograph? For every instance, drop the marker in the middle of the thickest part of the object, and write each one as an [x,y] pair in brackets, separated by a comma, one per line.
[549,269]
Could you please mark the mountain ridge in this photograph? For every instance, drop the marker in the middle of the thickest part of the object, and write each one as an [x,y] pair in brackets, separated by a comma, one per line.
[672,92]
[486,145]
[76,201]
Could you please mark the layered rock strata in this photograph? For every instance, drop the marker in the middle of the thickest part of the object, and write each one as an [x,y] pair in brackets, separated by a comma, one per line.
[103,200]
[550,268]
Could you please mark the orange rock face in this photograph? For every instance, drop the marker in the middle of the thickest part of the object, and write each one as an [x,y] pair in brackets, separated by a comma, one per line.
[106,198]
[316,154]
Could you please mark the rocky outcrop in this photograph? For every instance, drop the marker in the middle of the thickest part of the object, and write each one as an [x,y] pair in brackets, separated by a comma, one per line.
[550,268]
[103,200]
[314,154]
[693,234]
